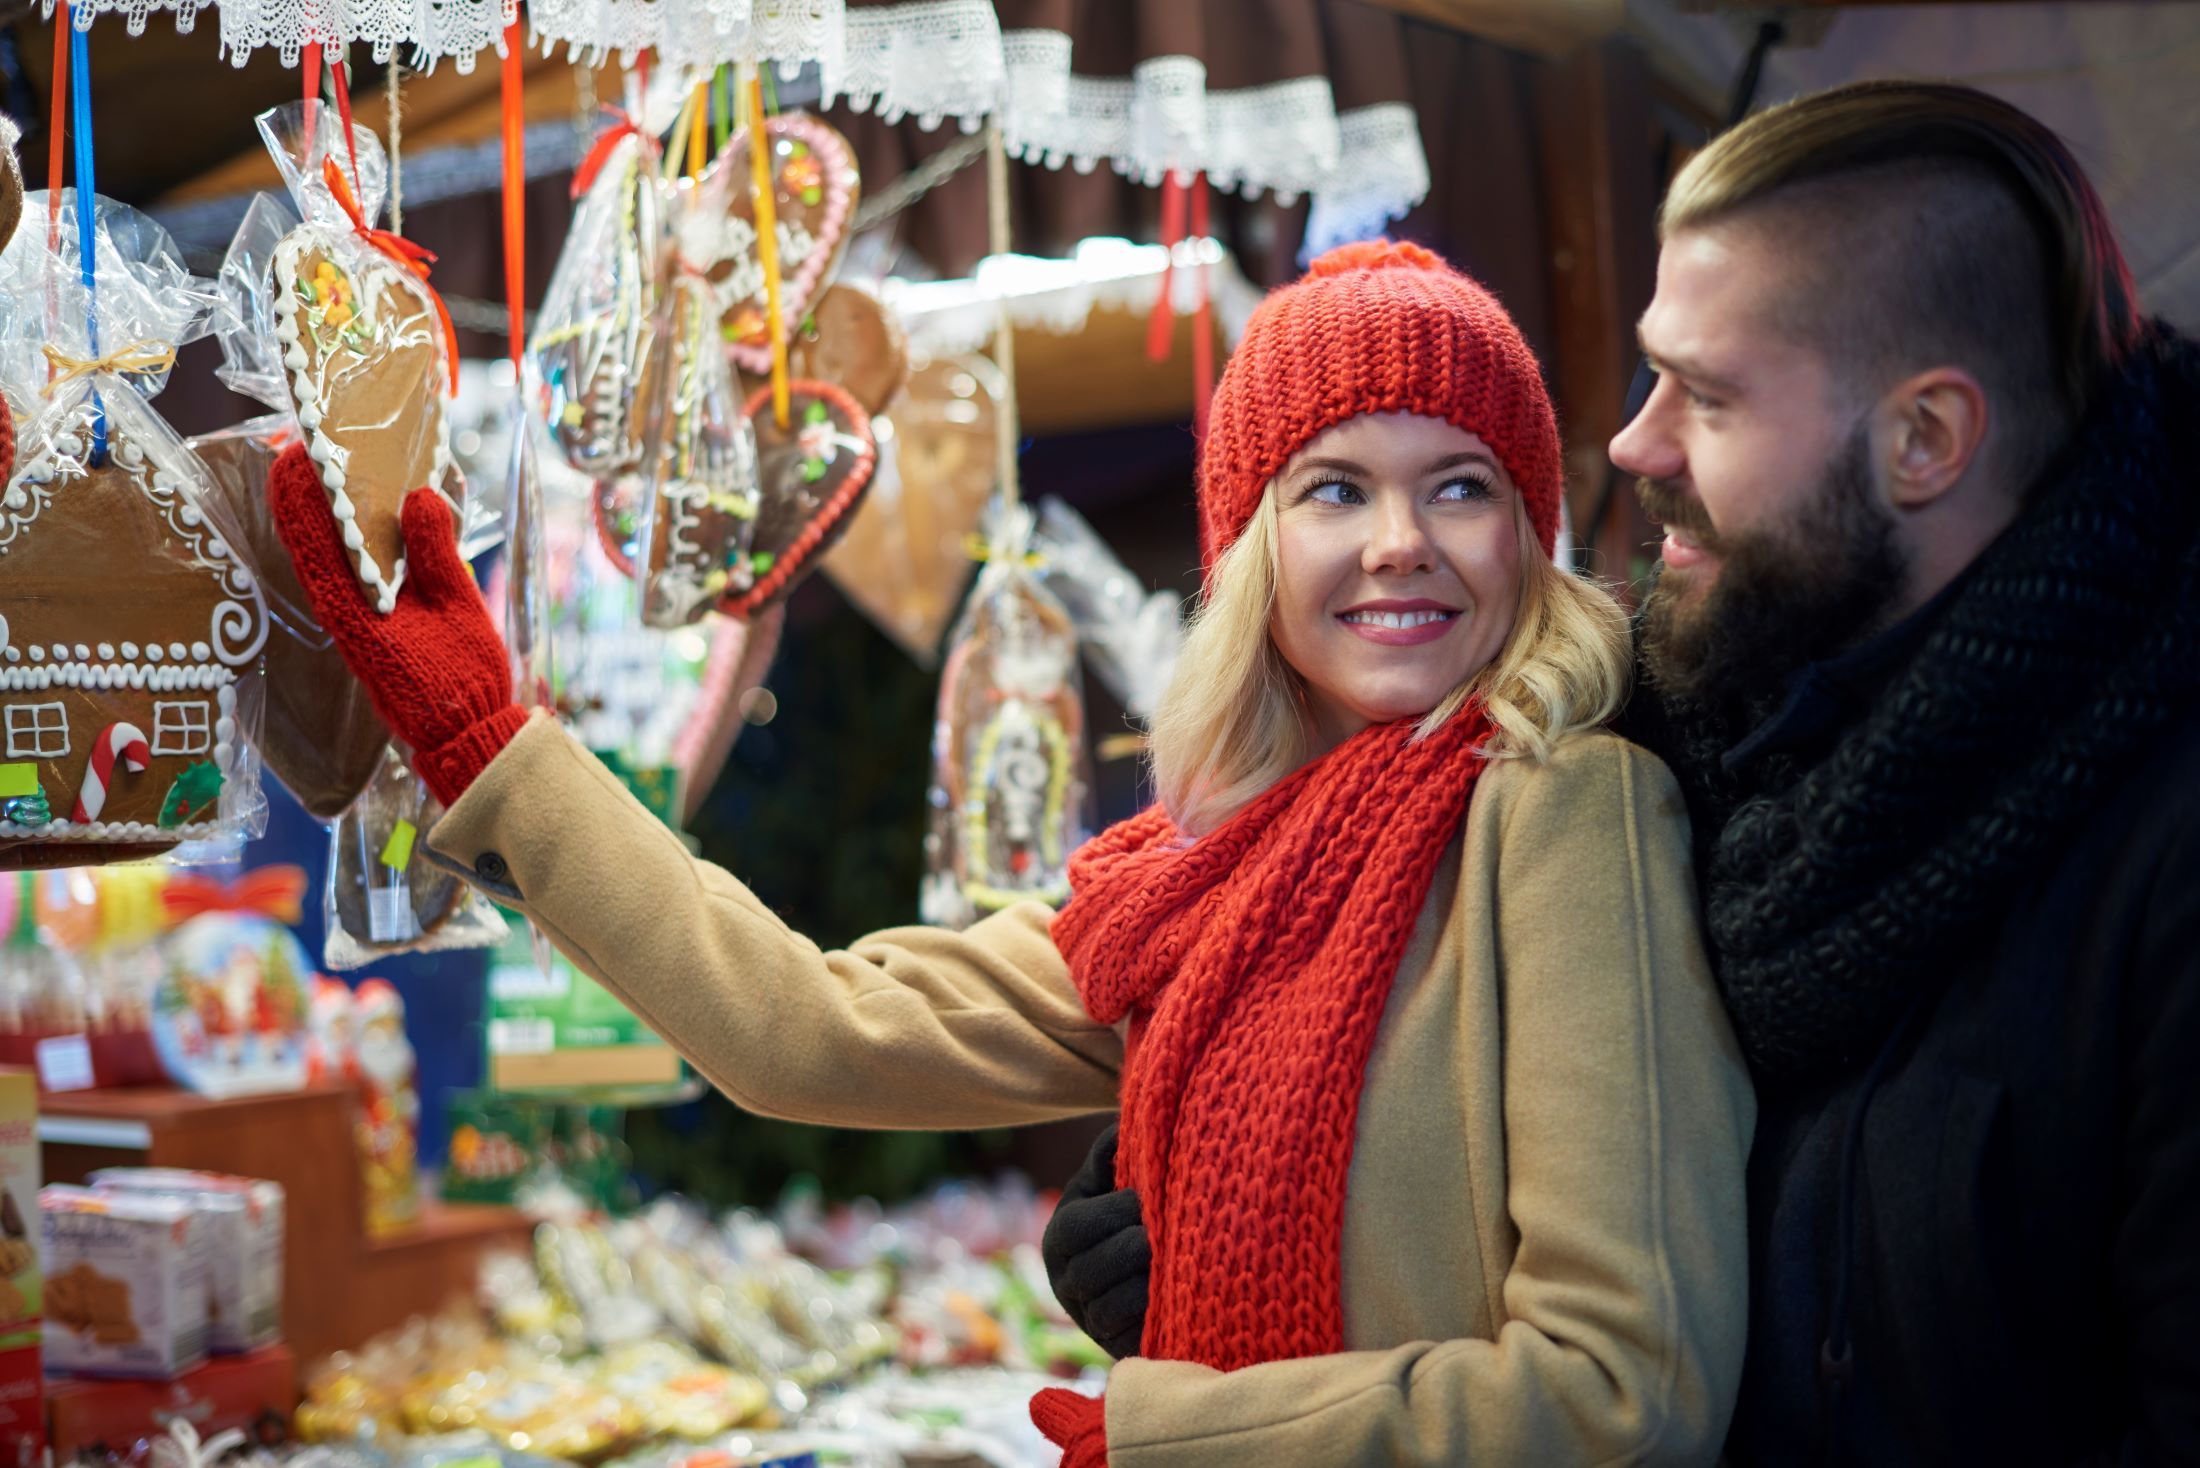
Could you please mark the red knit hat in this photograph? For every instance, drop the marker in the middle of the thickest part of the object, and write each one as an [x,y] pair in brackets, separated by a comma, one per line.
[1374,328]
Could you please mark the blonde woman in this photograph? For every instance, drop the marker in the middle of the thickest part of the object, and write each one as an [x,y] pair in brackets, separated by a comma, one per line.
[1433,1111]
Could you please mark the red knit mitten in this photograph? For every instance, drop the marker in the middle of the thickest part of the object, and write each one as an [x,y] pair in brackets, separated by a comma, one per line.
[7,444]
[1075,1423]
[437,671]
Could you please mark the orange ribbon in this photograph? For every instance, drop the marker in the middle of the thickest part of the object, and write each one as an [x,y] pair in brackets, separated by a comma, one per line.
[272,892]
[404,252]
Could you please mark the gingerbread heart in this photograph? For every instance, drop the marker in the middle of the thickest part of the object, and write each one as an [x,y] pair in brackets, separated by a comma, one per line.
[592,335]
[906,559]
[813,474]
[700,457]
[319,734]
[815,188]
[363,347]
[853,338]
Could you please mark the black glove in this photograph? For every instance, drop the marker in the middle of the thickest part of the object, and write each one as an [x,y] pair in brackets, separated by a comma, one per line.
[1097,1254]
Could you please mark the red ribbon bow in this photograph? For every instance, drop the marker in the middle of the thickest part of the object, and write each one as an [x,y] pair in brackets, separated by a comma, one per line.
[408,255]
[623,125]
[272,892]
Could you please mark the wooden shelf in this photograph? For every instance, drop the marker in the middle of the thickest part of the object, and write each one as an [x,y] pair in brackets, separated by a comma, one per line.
[339,1286]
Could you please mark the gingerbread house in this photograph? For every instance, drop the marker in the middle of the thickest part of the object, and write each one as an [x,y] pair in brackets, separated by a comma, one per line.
[126,626]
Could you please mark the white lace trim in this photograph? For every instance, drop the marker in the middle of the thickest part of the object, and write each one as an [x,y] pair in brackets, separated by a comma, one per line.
[696,34]
[931,59]
[134,12]
[1381,173]
[928,59]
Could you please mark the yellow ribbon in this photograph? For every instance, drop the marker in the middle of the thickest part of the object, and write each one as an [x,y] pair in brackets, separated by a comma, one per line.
[138,356]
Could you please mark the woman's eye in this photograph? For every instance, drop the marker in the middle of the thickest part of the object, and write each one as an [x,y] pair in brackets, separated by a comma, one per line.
[1336,492]
[1698,400]
[1463,490]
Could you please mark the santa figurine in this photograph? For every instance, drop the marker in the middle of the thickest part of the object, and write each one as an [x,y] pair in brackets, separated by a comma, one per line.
[332,1052]
[389,1106]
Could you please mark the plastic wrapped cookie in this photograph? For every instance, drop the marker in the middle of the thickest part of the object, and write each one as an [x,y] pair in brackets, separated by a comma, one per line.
[365,343]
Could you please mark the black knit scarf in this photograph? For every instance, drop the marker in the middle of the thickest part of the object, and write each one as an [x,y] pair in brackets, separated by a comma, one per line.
[1835,891]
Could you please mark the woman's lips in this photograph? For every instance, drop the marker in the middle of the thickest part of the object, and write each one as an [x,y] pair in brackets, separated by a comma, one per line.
[1399,629]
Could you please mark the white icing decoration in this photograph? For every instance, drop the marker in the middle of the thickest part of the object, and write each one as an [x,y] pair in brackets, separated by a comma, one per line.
[153,652]
[130,651]
[176,651]
[107,652]
[38,654]
[83,653]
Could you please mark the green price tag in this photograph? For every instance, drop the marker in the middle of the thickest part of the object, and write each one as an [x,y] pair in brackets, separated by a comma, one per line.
[18,780]
[397,852]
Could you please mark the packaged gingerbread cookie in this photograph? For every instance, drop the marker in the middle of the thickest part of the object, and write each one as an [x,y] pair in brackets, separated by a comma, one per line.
[1011,780]
[698,482]
[593,333]
[133,624]
[368,349]
[384,897]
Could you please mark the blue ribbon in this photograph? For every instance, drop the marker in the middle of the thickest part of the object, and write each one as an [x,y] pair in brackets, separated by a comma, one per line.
[87,234]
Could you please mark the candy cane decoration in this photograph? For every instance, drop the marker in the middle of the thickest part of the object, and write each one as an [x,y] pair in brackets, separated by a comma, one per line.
[125,742]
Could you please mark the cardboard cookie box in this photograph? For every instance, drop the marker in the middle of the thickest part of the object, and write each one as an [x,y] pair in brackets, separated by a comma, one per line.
[22,1405]
[243,1218]
[126,1282]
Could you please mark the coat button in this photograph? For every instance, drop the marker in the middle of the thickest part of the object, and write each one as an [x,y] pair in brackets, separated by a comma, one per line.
[491,868]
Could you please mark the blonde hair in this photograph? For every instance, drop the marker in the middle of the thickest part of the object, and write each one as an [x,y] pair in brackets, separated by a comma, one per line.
[1233,721]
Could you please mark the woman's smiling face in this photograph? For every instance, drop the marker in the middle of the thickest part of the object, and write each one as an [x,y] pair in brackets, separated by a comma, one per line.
[1398,568]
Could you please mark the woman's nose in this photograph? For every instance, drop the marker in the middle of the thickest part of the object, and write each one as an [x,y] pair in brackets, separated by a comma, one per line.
[1398,543]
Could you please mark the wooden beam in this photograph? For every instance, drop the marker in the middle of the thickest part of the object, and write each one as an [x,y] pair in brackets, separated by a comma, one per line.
[443,108]
[1548,28]
[1600,192]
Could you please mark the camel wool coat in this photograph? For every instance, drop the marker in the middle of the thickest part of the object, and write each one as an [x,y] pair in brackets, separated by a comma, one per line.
[1543,1253]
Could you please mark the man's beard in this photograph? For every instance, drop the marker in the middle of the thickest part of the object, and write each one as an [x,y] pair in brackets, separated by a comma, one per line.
[1784,597]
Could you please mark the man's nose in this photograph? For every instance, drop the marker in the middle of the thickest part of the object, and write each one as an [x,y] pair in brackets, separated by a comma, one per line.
[1647,447]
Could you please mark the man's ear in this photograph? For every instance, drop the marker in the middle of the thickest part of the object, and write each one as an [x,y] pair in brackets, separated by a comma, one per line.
[1930,430]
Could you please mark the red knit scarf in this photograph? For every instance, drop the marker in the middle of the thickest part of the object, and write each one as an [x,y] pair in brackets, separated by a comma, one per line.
[1254,964]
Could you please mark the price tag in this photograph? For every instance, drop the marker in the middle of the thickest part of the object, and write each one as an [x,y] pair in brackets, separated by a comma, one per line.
[18,779]
[397,852]
[390,915]
[65,1063]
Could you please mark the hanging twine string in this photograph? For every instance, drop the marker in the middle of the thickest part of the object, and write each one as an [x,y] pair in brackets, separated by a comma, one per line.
[767,236]
[1007,427]
[142,356]
[397,150]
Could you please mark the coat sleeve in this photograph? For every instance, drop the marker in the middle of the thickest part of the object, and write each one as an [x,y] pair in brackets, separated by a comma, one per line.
[1628,1116]
[912,1027]
[2155,1288]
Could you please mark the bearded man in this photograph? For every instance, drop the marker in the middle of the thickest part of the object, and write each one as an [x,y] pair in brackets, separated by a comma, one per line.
[1924,651]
